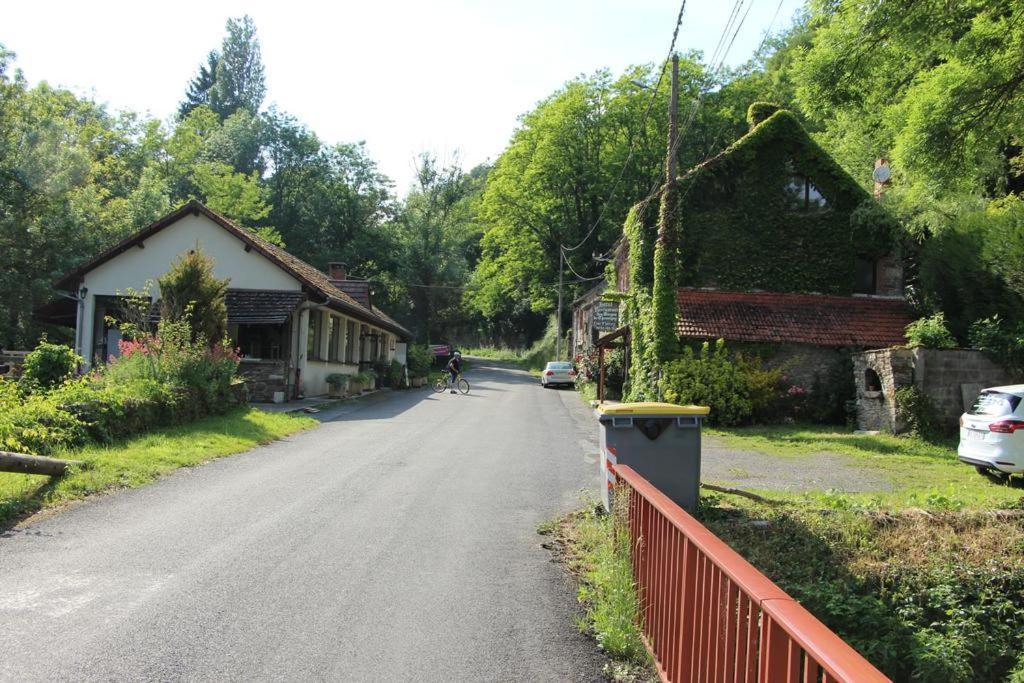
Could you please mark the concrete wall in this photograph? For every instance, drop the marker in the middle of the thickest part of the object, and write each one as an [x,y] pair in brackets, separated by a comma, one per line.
[951,378]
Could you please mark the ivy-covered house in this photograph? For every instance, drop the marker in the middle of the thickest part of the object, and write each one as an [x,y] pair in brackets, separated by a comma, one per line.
[777,250]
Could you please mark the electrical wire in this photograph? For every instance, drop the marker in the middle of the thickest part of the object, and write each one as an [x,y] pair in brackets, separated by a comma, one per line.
[632,146]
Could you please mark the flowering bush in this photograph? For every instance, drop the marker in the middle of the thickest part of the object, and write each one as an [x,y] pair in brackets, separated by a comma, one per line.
[158,380]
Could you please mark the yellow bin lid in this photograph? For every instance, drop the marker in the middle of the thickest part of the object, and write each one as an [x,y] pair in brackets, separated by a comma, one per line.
[651,408]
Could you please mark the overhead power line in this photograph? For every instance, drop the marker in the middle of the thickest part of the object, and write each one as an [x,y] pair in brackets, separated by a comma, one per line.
[633,143]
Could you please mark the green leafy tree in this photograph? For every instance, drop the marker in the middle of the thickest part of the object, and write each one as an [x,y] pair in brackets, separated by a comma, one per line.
[239,81]
[190,293]
[935,86]
[432,232]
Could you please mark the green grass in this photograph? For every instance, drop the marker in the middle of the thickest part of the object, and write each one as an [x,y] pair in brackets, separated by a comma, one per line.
[141,460]
[595,548]
[923,474]
[926,596]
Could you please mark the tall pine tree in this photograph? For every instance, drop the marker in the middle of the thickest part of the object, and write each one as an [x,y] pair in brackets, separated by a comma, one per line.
[200,87]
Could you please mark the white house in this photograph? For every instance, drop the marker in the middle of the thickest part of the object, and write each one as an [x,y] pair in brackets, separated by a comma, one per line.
[293,323]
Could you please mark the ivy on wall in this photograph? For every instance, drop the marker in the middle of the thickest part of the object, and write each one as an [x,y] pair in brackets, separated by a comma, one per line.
[743,230]
[738,228]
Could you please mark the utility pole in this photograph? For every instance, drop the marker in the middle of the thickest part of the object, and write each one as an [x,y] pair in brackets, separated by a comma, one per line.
[673,124]
[558,316]
[663,302]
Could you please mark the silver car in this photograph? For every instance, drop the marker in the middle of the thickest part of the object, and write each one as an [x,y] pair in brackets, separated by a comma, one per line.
[558,372]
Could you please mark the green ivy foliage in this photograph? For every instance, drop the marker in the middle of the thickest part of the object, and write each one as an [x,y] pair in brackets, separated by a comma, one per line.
[666,275]
[759,111]
[742,231]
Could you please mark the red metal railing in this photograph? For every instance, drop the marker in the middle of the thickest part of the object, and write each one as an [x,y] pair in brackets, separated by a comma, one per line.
[708,615]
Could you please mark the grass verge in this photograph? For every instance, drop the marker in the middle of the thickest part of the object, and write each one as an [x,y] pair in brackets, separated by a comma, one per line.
[923,474]
[141,460]
[594,547]
[925,596]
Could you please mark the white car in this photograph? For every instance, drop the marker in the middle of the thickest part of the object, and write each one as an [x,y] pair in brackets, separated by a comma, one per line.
[557,372]
[992,431]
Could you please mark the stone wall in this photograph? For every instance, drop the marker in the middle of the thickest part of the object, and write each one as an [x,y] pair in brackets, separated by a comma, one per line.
[876,409]
[951,378]
[804,364]
[265,377]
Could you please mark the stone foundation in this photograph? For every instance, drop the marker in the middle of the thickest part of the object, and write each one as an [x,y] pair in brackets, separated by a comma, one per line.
[265,377]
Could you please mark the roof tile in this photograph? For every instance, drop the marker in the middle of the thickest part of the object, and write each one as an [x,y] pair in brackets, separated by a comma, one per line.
[778,317]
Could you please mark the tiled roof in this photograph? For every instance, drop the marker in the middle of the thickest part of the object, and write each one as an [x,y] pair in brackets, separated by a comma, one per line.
[778,317]
[261,306]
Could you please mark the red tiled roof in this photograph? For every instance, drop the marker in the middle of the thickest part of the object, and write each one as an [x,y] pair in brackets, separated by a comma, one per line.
[818,319]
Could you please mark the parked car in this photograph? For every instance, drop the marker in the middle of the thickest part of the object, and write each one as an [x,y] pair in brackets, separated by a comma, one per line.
[558,372]
[989,437]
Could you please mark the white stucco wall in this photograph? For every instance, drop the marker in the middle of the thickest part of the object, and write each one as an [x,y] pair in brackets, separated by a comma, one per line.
[136,268]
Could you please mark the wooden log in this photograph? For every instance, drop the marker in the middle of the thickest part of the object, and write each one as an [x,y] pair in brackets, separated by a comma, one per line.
[20,463]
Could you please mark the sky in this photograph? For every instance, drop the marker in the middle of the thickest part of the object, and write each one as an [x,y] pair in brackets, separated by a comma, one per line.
[444,76]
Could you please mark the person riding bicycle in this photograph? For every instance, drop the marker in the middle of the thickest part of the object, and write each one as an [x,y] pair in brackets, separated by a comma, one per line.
[455,369]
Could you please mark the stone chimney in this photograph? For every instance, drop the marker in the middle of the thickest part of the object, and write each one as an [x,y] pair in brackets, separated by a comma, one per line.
[337,270]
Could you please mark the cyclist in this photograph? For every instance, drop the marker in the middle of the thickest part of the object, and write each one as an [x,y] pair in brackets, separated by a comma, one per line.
[454,368]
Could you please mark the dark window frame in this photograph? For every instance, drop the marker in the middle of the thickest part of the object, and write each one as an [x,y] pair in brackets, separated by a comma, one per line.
[313,336]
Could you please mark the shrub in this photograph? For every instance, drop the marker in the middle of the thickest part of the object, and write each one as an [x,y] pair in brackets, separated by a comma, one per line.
[917,412]
[395,375]
[189,292]
[337,379]
[931,333]
[1001,342]
[420,359]
[48,365]
[36,423]
[735,388]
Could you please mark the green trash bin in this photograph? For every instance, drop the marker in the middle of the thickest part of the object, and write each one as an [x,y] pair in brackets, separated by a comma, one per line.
[661,441]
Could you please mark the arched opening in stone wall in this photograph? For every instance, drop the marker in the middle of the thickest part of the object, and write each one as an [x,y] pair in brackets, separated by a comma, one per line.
[872,382]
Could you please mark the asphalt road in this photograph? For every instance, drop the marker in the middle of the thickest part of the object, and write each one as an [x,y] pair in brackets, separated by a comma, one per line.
[395,542]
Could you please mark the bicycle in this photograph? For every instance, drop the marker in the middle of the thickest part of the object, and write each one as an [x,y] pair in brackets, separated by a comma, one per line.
[444,384]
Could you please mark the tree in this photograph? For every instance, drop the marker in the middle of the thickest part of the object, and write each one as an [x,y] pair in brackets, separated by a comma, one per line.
[239,81]
[432,232]
[938,87]
[190,293]
[576,164]
[201,85]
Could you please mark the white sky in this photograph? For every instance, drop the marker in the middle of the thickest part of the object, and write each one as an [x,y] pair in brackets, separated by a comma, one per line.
[404,76]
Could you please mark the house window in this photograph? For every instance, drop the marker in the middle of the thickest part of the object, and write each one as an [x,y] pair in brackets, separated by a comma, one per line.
[864,274]
[259,341]
[803,195]
[334,343]
[313,336]
[350,342]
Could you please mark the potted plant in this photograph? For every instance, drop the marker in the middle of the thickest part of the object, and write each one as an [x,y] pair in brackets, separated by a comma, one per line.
[337,383]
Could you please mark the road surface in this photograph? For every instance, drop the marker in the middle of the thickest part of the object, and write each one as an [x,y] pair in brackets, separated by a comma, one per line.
[394,542]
